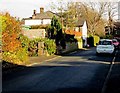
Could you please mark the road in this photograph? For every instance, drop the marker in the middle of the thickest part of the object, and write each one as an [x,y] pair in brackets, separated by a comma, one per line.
[78,72]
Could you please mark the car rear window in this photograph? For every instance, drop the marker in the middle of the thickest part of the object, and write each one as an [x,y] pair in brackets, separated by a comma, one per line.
[114,41]
[105,43]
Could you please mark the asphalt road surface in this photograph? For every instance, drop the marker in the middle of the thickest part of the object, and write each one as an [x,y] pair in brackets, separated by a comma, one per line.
[78,72]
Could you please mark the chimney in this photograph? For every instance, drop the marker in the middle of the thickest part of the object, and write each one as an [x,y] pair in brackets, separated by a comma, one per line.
[41,10]
[34,12]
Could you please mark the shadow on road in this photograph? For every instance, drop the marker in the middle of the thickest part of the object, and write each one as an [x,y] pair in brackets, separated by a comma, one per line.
[71,66]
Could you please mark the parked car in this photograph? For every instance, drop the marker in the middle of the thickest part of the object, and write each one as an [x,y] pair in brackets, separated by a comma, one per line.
[105,46]
[116,43]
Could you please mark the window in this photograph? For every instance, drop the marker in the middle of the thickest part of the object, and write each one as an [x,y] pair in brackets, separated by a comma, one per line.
[105,43]
[41,21]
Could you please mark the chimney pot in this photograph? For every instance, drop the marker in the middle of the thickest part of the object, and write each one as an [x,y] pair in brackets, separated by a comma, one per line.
[41,10]
[34,12]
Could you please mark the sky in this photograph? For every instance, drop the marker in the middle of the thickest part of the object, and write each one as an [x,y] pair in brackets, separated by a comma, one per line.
[24,8]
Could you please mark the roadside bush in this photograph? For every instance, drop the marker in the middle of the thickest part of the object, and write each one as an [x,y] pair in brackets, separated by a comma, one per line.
[39,26]
[50,46]
[12,50]
[90,41]
[70,38]
[33,47]
[96,40]
[109,36]
[24,41]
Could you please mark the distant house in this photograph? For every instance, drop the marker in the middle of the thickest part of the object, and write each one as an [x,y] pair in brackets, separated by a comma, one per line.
[80,30]
[42,18]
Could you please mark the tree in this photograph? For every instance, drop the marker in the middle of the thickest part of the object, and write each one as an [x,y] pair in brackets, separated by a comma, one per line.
[71,14]
[59,8]
[10,32]
[56,30]
[11,45]
[55,27]
[93,15]
[92,12]
[111,12]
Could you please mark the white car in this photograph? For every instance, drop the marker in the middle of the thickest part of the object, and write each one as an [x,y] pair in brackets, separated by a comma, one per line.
[105,46]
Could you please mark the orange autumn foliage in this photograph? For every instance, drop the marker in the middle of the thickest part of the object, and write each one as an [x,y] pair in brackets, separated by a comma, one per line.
[10,34]
[12,50]
[10,42]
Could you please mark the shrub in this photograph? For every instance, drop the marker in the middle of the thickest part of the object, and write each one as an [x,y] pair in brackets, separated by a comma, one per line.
[39,26]
[24,41]
[50,46]
[33,47]
[12,48]
[19,57]
[96,40]
[90,41]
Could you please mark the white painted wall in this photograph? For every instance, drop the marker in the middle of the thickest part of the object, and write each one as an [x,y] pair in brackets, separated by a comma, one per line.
[32,22]
[84,29]
[84,33]
[47,21]
[77,29]
[37,22]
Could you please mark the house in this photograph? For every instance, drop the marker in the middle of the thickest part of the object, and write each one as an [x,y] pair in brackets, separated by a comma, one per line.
[41,18]
[79,31]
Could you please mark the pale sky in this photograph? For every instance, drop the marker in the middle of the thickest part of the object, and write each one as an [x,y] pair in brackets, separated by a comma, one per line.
[24,8]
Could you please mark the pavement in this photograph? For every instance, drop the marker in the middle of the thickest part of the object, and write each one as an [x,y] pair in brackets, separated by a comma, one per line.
[44,58]
[9,67]
[41,59]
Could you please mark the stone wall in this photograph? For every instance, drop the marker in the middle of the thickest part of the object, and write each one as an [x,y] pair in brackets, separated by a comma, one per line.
[70,47]
[34,33]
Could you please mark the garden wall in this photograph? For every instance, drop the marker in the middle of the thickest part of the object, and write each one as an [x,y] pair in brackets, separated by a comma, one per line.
[70,47]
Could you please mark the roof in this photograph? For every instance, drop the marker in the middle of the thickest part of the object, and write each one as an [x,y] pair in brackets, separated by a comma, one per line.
[45,15]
